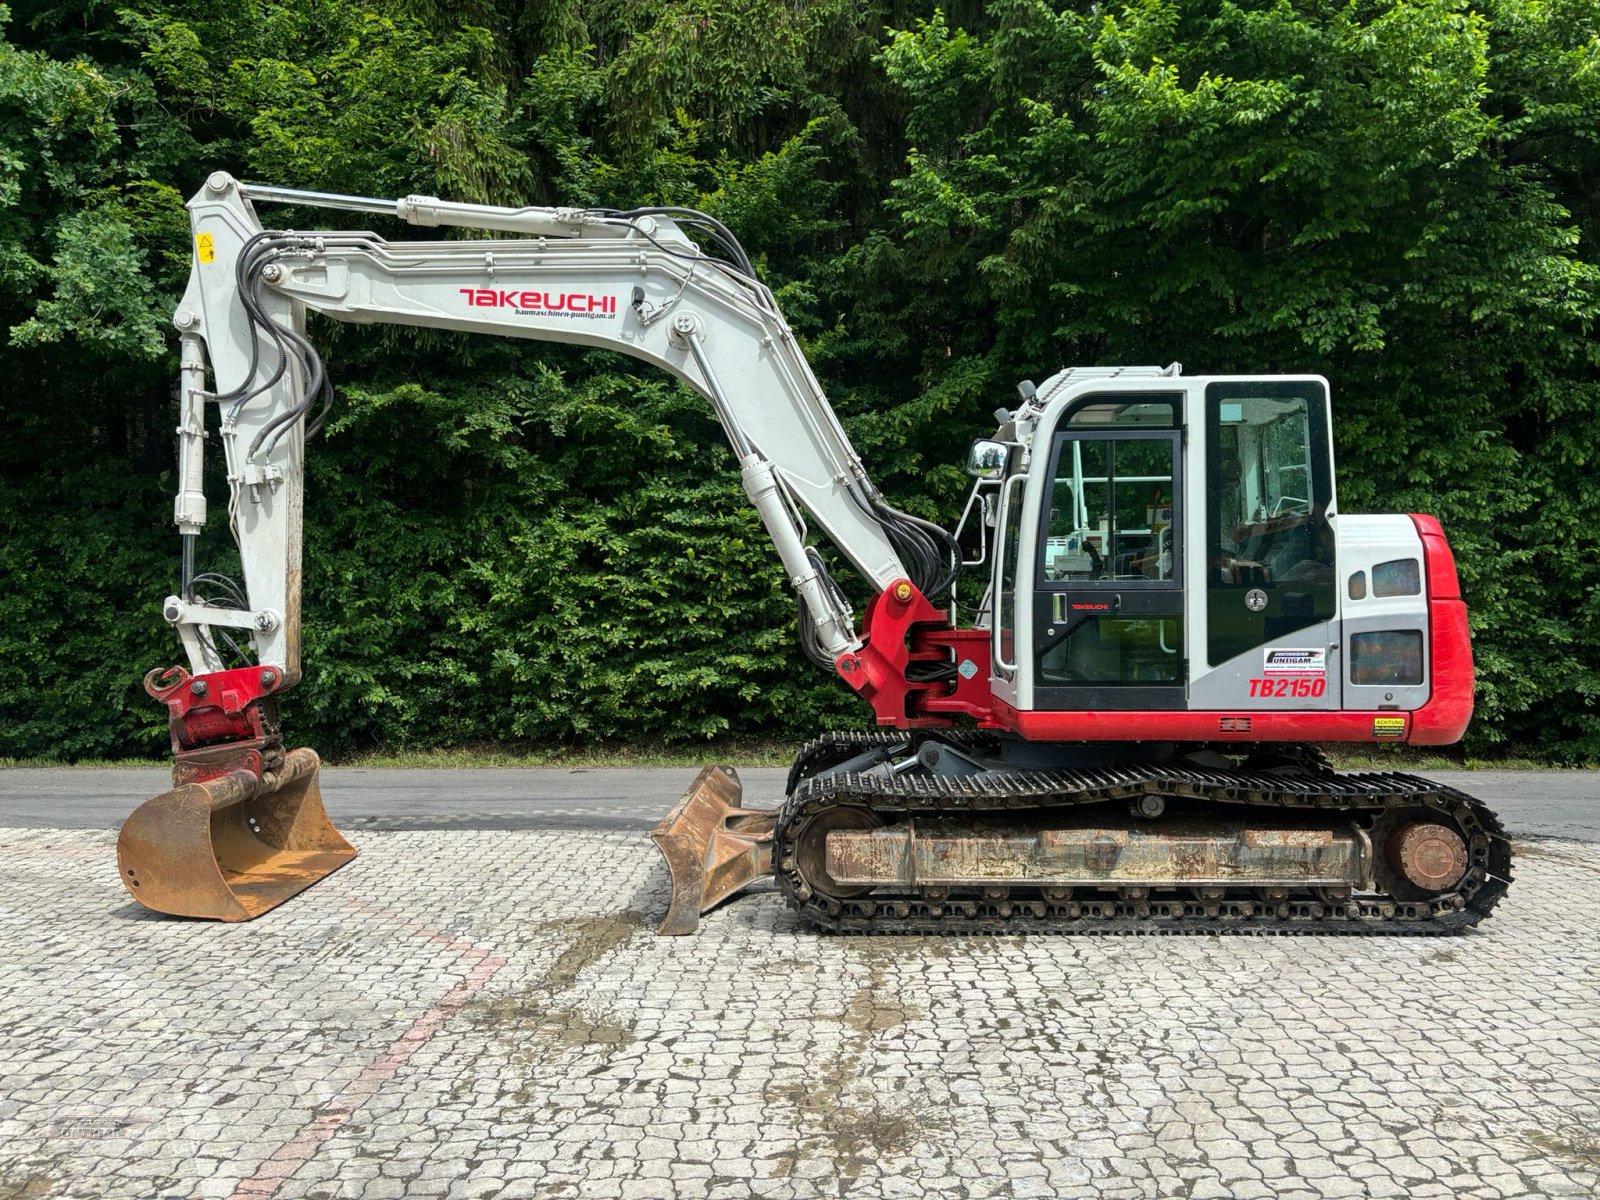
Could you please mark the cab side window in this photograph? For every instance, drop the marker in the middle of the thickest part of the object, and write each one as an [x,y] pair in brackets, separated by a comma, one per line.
[1270,566]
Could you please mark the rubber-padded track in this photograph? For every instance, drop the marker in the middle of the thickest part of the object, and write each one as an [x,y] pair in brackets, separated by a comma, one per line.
[1312,788]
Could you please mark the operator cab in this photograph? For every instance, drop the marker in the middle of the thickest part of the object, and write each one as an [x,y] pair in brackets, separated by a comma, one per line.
[1168,565]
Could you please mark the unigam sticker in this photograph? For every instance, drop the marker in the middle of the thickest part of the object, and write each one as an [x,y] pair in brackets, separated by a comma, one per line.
[1296,662]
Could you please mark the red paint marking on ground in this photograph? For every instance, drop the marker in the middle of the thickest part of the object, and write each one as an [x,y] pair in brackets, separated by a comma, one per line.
[281,1165]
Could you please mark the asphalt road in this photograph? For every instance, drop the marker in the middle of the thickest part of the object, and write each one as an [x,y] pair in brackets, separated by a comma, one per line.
[1532,803]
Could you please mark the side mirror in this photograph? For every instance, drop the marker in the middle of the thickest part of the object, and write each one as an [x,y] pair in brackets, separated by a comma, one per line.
[986,459]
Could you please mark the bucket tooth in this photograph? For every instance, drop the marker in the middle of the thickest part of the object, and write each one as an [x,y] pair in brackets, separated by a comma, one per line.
[233,847]
[713,847]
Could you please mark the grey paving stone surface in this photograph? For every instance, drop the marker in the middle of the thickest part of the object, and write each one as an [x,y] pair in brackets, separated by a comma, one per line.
[487,1014]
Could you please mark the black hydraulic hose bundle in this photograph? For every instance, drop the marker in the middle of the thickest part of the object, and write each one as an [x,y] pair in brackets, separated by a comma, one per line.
[260,250]
[933,559]
[253,259]
[917,542]
[715,232]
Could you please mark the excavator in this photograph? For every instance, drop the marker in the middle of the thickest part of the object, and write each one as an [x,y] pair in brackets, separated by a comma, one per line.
[1118,730]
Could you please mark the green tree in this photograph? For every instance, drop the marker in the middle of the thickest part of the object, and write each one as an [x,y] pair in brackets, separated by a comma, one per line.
[511,541]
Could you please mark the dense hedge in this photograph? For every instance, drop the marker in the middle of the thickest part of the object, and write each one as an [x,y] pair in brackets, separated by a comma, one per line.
[523,542]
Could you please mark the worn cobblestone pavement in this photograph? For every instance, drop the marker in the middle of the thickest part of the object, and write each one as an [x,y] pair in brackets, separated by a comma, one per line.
[486,1014]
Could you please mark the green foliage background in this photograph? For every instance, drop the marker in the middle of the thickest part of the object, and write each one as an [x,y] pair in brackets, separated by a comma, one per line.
[523,542]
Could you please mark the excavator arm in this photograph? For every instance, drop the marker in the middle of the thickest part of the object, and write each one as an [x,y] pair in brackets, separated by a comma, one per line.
[632,281]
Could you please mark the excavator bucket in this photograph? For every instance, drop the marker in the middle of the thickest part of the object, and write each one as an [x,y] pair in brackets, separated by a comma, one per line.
[713,847]
[233,847]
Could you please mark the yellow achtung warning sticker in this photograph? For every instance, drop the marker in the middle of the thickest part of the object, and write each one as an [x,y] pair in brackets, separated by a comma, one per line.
[1388,727]
[205,247]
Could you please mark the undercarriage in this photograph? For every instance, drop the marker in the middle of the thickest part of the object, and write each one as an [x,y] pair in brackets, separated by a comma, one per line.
[943,833]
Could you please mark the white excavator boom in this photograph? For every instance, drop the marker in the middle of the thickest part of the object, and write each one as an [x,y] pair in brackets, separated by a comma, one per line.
[633,283]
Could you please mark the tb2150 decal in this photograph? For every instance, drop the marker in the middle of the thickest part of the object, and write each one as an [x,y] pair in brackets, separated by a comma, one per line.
[1292,673]
[1282,687]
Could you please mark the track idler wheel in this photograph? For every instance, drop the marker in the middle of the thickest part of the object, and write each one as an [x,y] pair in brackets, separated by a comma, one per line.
[811,849]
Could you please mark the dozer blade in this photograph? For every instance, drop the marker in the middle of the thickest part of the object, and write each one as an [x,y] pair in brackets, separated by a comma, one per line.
[233,847]
[713,847]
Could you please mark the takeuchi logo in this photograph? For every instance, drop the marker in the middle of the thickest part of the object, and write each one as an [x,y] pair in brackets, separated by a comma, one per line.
[577,304]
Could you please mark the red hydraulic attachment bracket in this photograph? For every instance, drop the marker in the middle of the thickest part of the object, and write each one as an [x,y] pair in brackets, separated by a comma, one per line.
[221,722]
[902,628]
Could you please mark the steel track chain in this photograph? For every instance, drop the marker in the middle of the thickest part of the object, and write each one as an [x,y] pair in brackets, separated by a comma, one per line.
[831,749]
[1314,788]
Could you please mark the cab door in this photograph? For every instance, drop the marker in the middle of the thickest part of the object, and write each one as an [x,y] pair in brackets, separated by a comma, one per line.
[1108,628]
[1270,636]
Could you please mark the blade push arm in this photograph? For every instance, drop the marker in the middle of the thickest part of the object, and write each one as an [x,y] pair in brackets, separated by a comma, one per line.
[627,282]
